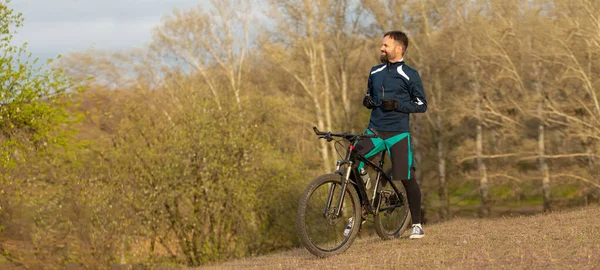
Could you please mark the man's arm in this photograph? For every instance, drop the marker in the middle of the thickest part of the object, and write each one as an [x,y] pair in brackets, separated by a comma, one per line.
[418,102]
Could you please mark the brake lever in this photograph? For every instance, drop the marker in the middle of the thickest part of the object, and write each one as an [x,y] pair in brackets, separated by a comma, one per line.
[328,136]
[325,135]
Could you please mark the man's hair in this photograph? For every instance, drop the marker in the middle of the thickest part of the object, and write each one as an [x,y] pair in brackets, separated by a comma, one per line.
[399,37]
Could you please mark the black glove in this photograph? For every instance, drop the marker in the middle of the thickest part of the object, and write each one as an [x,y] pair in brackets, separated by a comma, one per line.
[390,104]
[369,102]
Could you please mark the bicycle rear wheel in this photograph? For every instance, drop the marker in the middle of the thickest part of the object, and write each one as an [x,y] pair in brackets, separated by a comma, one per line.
[320,230]
[394,214]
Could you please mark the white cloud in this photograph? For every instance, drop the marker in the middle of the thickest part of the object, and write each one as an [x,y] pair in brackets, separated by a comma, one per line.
[62,37]
[55,27]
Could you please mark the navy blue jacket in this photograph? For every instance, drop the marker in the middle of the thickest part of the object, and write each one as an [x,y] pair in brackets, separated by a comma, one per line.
[402,83]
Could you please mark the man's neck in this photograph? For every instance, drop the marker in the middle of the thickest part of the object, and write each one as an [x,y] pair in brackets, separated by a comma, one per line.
[401,59]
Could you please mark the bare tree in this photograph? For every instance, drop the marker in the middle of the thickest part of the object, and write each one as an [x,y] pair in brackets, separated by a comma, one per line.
[301,54]
[205,39]
[388,14]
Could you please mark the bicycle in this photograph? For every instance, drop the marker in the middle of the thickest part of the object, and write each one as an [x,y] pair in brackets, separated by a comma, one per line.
[334,206]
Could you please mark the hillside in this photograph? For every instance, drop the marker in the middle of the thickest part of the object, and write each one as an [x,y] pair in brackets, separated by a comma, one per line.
[567,239]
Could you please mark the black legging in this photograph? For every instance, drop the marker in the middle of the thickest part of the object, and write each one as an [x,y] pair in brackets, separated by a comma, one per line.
[413,192]
[400,170]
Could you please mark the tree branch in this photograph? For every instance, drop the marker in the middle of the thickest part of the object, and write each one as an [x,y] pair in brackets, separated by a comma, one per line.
[576,177]
[560,156]
[488,156]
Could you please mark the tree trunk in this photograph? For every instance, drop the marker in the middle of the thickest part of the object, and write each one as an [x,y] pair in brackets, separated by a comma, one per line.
[345,101]
[444,210]
[543,165]
[444,199]
[542,160]
[312,53]
[483,180]
[541,143]
[481,167]
[327,96]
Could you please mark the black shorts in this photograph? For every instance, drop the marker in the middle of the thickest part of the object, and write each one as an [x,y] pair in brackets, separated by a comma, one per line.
[399,149]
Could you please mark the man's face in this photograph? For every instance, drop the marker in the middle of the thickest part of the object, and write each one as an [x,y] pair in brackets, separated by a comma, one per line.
[391,50]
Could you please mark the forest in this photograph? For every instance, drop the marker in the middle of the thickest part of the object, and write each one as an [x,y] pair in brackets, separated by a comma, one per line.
[196,148]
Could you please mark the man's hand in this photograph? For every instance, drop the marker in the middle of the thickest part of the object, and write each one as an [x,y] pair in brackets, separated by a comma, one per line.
[390,104]
[369,102]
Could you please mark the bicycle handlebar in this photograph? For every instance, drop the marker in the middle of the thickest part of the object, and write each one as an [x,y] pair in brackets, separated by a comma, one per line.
[348,136]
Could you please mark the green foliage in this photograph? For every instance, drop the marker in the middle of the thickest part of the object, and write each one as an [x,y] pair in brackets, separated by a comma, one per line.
[199,182]
[36,118]
[33,101]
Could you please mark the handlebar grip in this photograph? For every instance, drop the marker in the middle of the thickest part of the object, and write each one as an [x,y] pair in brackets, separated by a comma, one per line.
[317,131]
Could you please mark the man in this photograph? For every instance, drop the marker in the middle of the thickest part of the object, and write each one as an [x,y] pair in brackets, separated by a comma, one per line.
[394,92]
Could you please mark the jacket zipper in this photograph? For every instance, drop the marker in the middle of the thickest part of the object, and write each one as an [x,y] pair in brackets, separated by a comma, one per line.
[384,77]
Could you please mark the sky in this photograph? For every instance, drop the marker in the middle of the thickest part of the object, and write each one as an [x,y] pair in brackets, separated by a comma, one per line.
[53,27]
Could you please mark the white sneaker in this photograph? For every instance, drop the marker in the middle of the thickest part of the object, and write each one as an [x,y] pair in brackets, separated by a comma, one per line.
[348,228]
[417,232]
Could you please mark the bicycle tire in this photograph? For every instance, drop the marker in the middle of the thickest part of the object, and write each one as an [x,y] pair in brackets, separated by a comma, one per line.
[390,224]
[313,232]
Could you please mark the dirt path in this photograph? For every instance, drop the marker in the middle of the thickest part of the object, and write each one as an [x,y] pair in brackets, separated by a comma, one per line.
[569,239]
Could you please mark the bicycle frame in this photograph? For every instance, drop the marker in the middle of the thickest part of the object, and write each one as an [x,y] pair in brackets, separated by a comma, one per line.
[351,173]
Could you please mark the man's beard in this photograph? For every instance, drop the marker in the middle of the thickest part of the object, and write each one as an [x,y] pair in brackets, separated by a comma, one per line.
[384,59]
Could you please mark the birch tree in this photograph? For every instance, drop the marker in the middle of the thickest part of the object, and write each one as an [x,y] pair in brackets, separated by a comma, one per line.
[301,54]
[205,40]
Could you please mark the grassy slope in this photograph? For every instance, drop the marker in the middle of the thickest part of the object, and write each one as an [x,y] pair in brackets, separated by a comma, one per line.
[569,239]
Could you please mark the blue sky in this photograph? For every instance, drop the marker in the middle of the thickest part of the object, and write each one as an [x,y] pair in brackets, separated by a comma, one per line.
[55,27]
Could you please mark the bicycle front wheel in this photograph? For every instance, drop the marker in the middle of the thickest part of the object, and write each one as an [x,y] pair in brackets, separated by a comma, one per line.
[321,231]
[394,214]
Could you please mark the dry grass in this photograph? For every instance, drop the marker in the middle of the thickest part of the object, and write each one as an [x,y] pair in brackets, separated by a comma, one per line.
[568,239]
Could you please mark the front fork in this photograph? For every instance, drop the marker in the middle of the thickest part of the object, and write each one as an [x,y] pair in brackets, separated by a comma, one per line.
[345,183]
